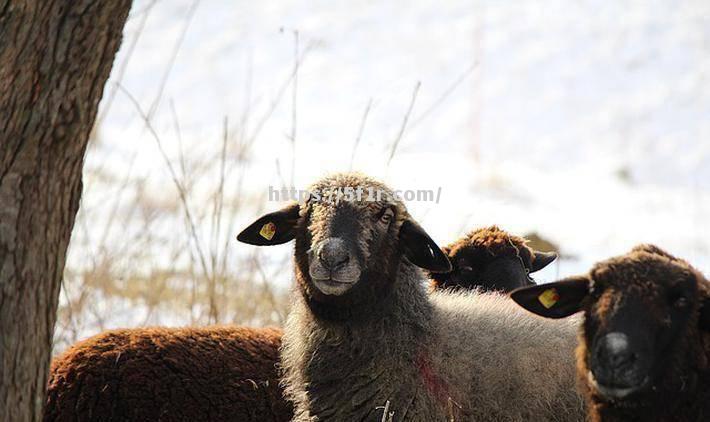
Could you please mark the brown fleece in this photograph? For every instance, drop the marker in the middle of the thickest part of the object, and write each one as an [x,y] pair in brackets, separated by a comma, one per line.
[683,391]
[169,374]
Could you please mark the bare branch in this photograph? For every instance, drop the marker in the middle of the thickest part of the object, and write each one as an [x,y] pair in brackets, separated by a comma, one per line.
[360,131]
[171,62]
[294,105]
[218,204]
[404,123]
[444,95]
[282,90]
[178,134]
[178,185]
[124,64]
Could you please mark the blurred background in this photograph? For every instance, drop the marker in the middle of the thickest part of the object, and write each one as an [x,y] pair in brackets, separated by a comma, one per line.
[583,123]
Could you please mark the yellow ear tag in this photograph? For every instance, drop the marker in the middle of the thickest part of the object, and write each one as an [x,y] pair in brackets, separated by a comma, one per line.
[549,298]
[268,231]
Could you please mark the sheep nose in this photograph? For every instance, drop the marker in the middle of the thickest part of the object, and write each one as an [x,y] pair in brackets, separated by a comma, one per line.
[614,352]
[333,254]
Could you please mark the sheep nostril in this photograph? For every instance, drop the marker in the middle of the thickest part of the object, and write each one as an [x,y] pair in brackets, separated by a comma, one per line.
[343,260]
[615,351]
[324,259]
[334,261]
[333,254]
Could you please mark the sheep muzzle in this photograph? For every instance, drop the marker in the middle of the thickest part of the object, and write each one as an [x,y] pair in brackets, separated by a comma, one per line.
[332,266]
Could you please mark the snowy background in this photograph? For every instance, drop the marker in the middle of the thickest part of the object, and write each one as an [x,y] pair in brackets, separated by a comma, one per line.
[585,121]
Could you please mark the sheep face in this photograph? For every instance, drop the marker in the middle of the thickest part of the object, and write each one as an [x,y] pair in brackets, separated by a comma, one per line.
[504,273]
[491,259]
[642,311]
[340,241]
[640,308]
[348,247]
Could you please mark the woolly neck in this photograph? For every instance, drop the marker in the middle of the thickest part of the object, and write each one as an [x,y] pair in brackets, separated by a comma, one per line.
[372,357]
[403,305]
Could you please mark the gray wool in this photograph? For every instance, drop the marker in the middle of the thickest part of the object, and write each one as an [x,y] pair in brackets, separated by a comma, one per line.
[462,356]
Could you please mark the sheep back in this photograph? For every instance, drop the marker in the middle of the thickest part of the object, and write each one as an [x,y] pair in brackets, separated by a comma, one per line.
[169,374]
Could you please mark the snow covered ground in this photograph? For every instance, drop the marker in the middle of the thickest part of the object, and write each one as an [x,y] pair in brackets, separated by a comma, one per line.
[587,121]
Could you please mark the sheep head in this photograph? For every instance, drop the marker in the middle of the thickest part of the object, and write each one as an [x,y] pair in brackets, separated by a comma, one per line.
[491,259]
[643,313]
[351,236]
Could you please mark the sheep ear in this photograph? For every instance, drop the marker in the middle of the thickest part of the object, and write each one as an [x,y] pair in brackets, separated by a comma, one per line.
[272,229]
[554,300]
[542,260]
[704,319]
[421,250]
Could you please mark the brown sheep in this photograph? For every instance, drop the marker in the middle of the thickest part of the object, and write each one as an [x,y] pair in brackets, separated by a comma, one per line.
[644,347]
[169,374]
[491,259]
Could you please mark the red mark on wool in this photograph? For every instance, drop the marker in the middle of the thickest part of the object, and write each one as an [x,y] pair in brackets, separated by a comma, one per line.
[436,386]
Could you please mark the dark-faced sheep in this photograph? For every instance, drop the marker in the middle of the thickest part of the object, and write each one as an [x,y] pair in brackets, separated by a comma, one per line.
[169,374]
[364,336]
[491,259]
[645,344]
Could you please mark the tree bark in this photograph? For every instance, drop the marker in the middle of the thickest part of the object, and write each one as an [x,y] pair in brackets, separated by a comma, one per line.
[55,57]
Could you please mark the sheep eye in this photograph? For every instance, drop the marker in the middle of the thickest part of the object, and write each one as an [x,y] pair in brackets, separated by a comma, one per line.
[681,302]
[386,215]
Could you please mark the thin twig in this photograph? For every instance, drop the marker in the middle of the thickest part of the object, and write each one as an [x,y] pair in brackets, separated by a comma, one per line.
[294,106]
[232,220]
[279,173]
[70,307]
[267,287]
[246,111]
[444,95]
[219,199]
[404,122]
[171,62]
[116,202]
[176,181]
[178,134]
[360,131]
[86,232]
[124,64]
[277,100]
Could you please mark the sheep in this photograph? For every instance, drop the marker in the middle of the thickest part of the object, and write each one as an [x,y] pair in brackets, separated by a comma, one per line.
[169,374]
[644,346]
[70,372]
[490,258]
[364,336]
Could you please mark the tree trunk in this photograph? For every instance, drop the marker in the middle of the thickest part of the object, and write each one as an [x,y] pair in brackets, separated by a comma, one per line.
[55,57]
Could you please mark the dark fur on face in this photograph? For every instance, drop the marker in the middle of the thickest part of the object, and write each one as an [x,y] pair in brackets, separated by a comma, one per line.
[491,259]
[364,297]
[644,349]
[348,251]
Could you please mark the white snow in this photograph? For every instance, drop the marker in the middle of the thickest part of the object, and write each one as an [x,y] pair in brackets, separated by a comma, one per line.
[556,99]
